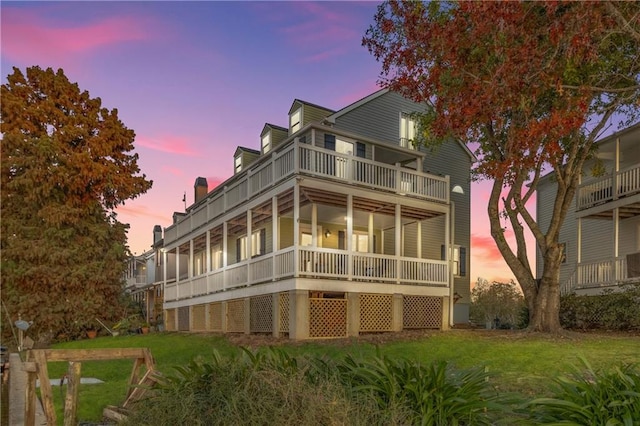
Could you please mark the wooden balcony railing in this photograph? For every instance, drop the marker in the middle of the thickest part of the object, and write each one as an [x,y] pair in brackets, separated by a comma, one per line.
[314,263]
[608,188]
[297,158]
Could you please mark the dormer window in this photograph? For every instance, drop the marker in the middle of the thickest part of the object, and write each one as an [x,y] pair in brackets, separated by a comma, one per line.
[266,143]
[407,131]
[238,164]
[295,120]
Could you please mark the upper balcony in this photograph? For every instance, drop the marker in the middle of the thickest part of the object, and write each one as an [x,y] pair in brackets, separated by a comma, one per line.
[607,189]
[300,155]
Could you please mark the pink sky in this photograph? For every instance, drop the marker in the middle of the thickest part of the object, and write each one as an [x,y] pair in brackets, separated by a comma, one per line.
[195,80]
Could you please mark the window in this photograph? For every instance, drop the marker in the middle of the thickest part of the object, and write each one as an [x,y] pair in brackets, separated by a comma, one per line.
[459,260]
[306,239]
[266,143]
[238,164]
[294,121]
[407,131]
[216,257]
[360,242]
[257,245]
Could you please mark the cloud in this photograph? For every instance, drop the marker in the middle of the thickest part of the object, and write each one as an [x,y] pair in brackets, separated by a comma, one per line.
[170,144]
[173,170]
[28,37]
[140,211]
[484,248]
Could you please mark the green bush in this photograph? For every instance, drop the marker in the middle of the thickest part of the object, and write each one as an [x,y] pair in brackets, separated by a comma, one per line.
[266,387]
[434,394]
[592,398]
[610,311]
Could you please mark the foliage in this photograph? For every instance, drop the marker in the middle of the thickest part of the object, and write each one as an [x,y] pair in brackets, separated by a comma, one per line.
[610,310]
[591,397]
[264,387]
[496,300]
[531,85]
[433,394]
[519,363]
[67,163]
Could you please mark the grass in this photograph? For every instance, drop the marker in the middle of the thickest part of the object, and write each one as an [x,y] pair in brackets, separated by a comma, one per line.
[518,362]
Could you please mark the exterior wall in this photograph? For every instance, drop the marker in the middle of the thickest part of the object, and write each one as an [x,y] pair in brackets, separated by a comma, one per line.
[380,119]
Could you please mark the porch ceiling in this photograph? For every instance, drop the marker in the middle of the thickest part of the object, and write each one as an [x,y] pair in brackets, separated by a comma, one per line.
[625,212]
[369,205]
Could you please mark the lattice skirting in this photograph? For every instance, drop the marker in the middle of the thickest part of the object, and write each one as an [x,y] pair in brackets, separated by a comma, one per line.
[284,312]
[422,312]
[261,314]
[376,312]
[199,318]
[183,318]
[235,316]
[215,316]
[170,322]
[327,318]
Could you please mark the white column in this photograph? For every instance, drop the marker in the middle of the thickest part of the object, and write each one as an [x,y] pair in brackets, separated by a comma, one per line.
[177,264]
[225,255]
[207,255]
[449,256]
[314,225]
[398,231]
[190,268]
[350,235]
[296,229]
[616,243]
[274,231]
[249,245]
[370,229]
[419,241]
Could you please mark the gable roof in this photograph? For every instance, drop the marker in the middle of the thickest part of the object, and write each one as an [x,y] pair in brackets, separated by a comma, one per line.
[243,149]
[272,126]
[300,102]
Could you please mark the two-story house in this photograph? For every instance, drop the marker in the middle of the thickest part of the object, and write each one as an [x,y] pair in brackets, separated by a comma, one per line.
[337,225]
[601,234]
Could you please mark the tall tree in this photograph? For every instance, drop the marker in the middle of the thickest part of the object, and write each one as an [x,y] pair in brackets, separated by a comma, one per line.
[67,163]
[533,84]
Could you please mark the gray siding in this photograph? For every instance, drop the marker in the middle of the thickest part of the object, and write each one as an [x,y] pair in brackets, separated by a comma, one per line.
[379,119]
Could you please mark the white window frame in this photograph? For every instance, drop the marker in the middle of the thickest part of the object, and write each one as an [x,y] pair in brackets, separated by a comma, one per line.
[455,260]
[238,164]
[359,239]
[255,245]
[407,131]
[295,120]
[266,143]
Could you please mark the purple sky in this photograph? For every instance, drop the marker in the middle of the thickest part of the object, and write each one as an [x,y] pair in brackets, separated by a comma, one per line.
[197,79]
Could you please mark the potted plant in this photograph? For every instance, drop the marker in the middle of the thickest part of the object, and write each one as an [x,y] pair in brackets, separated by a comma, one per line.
[144,328]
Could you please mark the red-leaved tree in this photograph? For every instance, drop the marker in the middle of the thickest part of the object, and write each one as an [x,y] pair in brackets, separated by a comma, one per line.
[533,84]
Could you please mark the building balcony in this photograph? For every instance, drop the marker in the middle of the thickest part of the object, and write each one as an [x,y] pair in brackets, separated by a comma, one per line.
[314,263]
[620,189]
[296,158]
[605,273]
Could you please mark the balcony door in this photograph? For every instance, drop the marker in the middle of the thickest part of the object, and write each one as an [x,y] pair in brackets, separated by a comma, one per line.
[342,164]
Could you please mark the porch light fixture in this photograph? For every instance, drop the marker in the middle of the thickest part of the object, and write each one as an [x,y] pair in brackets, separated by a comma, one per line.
[457,190]
[327,233]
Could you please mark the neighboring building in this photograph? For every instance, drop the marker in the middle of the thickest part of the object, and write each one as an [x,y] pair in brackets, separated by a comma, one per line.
[601,233]
[137,274]
[337,226]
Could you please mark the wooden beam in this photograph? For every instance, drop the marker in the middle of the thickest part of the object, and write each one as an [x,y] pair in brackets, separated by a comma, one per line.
[89,354]
[71,399]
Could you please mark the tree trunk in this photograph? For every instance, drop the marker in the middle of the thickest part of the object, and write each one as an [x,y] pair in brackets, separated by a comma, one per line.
[544,311]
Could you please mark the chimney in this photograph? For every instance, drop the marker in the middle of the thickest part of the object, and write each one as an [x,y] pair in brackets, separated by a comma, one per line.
[157,234]
[201,188]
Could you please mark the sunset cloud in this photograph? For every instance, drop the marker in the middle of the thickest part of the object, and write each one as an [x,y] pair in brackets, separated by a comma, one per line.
[170,144]
[140,211]
[28,37]
[485,248]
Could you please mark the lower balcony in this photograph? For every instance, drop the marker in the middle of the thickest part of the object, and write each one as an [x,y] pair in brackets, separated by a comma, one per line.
[605,274]
[314,263]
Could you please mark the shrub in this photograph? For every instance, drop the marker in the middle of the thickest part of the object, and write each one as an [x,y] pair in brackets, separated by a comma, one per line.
[433,395]
[611,311]
[266,387]
[497,303]
[592,398]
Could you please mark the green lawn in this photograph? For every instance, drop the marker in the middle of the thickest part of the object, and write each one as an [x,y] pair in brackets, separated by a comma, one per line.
[519,362]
